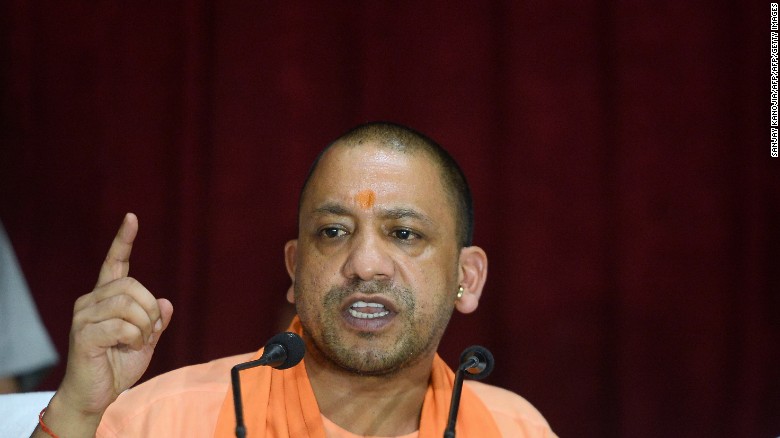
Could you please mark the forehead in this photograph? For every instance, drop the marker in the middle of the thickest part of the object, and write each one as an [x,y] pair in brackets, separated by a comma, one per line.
[395,178]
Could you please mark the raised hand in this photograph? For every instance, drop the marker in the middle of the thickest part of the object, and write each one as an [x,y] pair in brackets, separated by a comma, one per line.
[113,335]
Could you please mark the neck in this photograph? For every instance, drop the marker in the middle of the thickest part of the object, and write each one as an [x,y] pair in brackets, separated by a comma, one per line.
[387,405]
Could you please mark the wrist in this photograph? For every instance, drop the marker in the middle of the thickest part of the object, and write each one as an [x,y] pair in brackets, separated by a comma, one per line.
[62,419]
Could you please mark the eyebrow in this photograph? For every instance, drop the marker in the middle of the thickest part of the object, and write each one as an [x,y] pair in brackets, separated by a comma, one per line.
[337,209]
[401,213]
[332,208]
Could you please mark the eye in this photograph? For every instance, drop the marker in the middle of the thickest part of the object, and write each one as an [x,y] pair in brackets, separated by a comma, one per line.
[404,234]
[332,232]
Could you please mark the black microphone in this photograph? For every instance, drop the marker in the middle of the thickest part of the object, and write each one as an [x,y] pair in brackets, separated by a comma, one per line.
[475,363]
[283,351]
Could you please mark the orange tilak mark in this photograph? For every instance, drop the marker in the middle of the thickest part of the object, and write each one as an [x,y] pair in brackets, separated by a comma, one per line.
[365,199]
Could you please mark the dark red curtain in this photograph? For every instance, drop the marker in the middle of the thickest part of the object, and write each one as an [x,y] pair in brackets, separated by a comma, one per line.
[618,153]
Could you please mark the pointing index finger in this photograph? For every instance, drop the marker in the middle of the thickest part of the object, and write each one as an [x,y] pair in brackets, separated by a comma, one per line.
[117,262]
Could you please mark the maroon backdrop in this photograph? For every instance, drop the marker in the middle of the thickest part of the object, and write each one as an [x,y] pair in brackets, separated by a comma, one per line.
[618,154]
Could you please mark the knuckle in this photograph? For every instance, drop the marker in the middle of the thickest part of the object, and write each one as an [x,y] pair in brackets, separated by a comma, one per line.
[123,301]
[116,329]
[113,325]
[82,302]
[128,282]
[128,333]
[79,302]
[128,330]
[78,320]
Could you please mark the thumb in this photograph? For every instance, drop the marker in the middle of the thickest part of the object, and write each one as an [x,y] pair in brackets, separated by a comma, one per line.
[166,312]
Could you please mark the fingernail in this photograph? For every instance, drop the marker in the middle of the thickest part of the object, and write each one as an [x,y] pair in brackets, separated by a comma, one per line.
[158,325]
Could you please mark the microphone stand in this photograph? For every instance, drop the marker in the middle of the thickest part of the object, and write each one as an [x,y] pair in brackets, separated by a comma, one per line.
[478,363]
[456,390]
[237,403]
[282,351]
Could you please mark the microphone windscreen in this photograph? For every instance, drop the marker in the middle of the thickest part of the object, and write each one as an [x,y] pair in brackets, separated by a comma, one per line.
[294,346]
[485,365]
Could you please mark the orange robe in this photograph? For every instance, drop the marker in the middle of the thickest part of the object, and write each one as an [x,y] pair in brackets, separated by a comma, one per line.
[197,401]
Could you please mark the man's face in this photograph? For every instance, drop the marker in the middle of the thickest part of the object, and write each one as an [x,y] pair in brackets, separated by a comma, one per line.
[375,266]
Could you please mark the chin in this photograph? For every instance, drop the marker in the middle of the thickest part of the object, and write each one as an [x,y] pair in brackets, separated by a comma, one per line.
[368,360]
[370,365]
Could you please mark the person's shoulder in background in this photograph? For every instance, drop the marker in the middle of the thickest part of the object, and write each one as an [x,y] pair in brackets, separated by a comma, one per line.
[26,351]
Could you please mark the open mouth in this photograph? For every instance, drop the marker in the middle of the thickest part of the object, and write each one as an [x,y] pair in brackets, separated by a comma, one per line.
[367,310]
[369,313]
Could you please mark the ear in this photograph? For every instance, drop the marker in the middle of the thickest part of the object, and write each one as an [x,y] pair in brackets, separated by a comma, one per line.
[472,276]
[290,249]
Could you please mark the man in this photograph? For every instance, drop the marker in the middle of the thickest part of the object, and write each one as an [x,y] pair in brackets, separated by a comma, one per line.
[382,258]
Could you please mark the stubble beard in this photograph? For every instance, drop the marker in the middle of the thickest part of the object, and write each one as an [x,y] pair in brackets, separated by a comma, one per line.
[419,335]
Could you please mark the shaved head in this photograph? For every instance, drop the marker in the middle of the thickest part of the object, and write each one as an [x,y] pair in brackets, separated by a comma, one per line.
[408,141]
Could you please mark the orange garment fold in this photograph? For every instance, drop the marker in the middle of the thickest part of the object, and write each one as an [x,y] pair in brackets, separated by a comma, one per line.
[281,404]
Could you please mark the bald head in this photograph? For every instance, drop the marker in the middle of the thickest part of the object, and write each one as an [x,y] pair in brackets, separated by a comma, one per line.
[408,141]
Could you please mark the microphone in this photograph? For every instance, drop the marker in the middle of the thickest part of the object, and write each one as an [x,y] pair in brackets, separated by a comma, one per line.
[476,363]
[282,351]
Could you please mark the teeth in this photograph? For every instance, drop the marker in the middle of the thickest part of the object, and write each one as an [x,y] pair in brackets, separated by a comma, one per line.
[365,304]
[362,315]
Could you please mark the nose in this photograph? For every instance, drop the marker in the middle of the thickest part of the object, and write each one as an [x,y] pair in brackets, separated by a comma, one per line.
[368,258]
